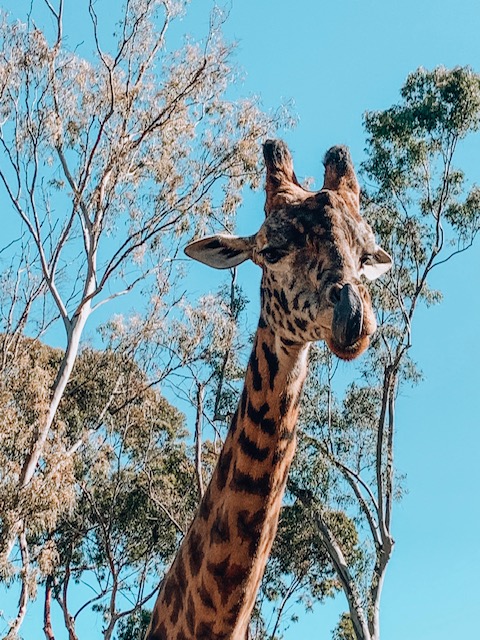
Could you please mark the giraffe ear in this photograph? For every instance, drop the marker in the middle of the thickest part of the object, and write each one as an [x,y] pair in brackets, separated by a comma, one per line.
[376,264]
[221,251]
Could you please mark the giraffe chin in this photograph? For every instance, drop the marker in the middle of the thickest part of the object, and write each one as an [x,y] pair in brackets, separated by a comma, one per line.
[351,351]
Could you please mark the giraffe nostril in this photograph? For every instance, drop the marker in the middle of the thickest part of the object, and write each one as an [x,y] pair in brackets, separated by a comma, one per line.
[334,293]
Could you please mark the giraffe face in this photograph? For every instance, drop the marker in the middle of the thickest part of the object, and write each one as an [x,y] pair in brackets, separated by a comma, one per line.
[314,250]
[313,256]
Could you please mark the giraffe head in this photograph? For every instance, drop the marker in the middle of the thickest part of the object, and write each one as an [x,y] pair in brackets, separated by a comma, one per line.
[314,250]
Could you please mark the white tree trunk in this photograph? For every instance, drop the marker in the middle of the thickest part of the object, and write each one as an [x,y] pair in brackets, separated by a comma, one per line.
[65,371]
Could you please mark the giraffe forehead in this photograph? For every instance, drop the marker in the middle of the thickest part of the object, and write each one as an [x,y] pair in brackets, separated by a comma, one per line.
[310,224]
[283,230]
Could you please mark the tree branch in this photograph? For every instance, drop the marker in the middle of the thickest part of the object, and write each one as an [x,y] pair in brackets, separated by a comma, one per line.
[25,591]
[357,613]
[198,440]
[47,618]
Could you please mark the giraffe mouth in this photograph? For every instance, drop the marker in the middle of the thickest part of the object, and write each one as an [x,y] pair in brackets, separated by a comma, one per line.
[349,352]
[348,339]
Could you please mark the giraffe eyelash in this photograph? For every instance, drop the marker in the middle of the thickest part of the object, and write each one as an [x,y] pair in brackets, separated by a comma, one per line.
[366,258]
[272,254]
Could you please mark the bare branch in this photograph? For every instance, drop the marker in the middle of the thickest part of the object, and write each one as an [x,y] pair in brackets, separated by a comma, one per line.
[198,440]
[166,511]
[357,613]
[356,482]
[25,592]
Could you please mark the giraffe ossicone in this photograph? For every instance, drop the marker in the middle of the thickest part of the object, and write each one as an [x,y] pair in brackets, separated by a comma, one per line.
[314,249]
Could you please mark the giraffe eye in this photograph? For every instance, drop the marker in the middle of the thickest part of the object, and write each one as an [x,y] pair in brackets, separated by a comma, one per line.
[366,259]
[272,255]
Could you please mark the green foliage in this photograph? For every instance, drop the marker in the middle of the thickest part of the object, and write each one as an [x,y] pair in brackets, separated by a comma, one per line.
[439,108]
[127,497]
[134,495]
[421,205]
[134,626]
[28,370]
[344,630]
[410,150]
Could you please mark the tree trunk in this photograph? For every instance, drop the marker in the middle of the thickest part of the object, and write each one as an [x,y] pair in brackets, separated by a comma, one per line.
[11,532]
[47,620]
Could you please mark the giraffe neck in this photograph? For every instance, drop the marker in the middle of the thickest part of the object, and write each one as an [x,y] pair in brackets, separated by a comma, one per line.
[210,590]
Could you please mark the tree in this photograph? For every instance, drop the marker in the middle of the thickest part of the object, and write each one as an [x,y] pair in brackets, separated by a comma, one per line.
[134,495]
[116,506]
[425,214]
[107,162]
[134,627]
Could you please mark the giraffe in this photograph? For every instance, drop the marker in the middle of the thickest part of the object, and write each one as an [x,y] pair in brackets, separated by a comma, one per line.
[313,248]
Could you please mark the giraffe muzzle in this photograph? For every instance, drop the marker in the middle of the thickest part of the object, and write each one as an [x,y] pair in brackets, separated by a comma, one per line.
[347,317]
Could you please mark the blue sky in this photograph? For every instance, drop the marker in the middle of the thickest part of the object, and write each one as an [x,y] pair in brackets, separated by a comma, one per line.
[334,61]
